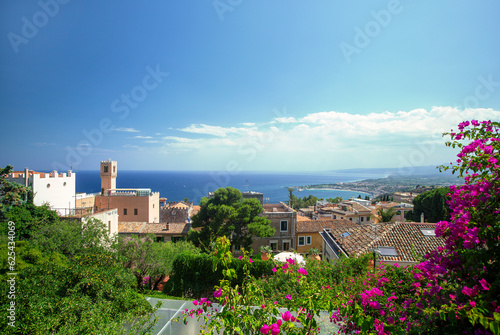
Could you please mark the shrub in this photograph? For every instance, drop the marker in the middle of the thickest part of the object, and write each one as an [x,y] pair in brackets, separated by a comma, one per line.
[193,275]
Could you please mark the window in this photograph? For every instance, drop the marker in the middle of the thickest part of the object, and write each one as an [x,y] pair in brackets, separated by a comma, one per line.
[48,185]
[386,251]
[135,211]
[301,240]
[362,218]
[124,211]
[335,217]
[428,232]
[105,169]
[109,226]
[284,225]
[160,239]
[64,184]
[114,169]
[237,247]
[286,245]
[350,219]
[274,244]
[308,240]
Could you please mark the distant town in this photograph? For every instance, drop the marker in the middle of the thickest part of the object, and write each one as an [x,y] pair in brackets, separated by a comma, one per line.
[389,185]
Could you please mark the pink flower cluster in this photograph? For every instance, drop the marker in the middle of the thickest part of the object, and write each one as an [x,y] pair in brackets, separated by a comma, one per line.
[275,328]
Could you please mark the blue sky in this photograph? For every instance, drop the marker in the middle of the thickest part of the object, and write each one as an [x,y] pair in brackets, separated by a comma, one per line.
[244,85]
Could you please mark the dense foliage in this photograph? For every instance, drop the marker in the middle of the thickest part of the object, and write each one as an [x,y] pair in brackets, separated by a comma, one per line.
[62,276]
[433,204]
[226,214]
[193,275]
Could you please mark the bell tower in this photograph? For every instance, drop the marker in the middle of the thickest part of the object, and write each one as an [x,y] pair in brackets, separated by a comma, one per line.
[108,175]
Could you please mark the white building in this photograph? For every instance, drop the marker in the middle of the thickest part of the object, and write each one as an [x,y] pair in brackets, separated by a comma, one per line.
[55,189]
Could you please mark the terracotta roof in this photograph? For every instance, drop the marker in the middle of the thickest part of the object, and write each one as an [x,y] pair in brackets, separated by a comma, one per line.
[405,234]
[160,228]
[303,218]
[400,235]
[153,228]
[130,227]
[315,226]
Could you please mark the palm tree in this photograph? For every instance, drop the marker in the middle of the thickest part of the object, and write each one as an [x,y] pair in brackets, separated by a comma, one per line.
[385,215]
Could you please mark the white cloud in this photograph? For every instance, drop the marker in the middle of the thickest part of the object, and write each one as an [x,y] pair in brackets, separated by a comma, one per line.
[214,130]
[289,119]
[328,140]
[142,137]
[128,130]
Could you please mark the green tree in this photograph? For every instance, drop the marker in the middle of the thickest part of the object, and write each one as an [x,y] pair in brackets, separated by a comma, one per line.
[226,214]
[335,200]
[385,215]
[433,204]
[72,237]
[12,194]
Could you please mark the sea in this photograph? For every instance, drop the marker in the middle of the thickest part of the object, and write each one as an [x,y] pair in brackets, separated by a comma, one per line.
[193,185]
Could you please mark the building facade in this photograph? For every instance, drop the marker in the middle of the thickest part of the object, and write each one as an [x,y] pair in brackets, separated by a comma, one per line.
[133,204]
[55,189]
[284,221]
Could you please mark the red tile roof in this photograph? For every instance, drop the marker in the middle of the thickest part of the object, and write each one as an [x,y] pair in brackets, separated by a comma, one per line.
[400,235]
[316,226]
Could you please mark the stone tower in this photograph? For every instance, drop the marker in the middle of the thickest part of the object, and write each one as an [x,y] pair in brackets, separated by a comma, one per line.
[108,175]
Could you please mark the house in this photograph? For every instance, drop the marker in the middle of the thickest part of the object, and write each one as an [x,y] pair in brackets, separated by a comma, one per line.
[283,220]
[349,210]
[400,210]
[176,212]
[308,232]
[133,204]
[397,242]
[55,189]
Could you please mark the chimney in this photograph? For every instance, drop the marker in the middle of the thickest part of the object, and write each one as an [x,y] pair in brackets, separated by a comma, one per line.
[422,218]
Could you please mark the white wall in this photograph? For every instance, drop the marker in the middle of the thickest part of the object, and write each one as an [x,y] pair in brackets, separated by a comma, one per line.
[110,220]
[57,191]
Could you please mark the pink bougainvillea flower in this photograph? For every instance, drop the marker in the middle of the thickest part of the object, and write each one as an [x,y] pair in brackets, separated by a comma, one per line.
[250,260]
[484,284]
[218,293]
[264,329]
[274,270]
[289,297]
[471,292]
[279,322]
[240,257]
[275,329]
[286,316]
[290,261]
[303,271]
